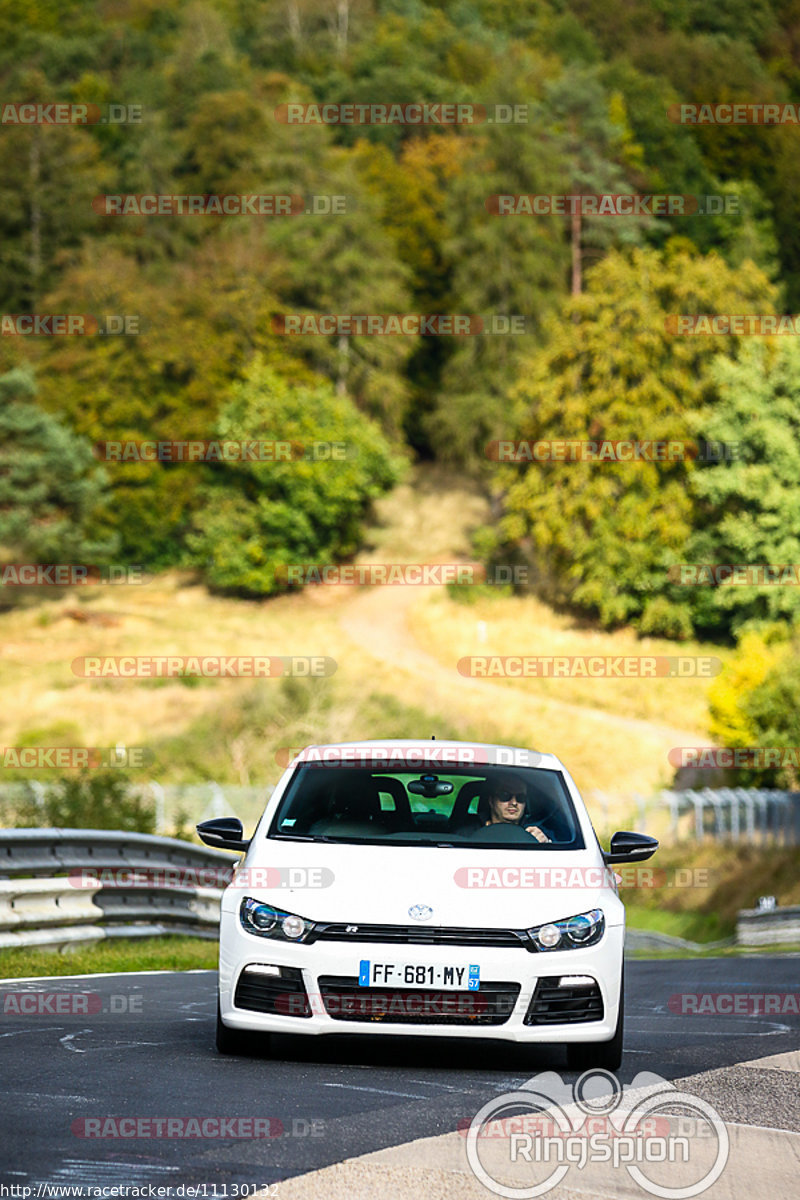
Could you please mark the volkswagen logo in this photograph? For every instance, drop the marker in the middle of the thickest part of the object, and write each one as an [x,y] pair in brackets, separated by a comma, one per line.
[420,912]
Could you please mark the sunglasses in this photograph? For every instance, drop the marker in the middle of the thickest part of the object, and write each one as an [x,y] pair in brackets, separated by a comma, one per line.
[504,797]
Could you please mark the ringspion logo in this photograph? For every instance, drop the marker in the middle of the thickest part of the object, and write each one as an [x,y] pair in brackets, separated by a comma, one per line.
[548,1128]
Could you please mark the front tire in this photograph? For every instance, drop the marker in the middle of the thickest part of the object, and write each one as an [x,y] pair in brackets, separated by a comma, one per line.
[606,1056]
[238,1041]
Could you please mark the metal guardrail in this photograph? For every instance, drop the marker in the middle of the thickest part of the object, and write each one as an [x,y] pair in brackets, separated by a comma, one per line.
[194,801]
[59,887]
[649,939]
[771,927]
[733,814]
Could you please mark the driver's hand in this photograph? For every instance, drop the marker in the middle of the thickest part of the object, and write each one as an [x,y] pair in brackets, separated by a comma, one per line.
[536,832]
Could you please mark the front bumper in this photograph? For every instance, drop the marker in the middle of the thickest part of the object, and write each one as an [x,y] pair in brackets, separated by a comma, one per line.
[518,1001]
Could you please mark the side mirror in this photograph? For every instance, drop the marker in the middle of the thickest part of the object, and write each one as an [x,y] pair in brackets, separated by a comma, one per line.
[224,833]
[630,847]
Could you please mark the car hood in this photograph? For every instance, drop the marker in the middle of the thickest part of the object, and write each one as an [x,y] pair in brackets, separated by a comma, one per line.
[381,884]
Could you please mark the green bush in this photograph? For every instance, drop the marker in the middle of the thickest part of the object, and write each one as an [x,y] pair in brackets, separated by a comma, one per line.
[91,800]
[259,517]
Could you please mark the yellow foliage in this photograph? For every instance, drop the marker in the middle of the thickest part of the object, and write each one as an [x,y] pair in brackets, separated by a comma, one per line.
[753,660]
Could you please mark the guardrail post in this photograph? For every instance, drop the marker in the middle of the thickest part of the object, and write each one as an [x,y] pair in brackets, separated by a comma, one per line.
[697,800]
[159,802]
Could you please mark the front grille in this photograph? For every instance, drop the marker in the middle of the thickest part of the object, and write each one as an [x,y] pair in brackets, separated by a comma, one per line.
[413,935]
[554,1005]
[344,1000]
[284,995]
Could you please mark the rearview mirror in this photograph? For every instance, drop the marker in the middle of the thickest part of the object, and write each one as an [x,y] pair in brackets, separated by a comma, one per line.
[225,833]
[430,786]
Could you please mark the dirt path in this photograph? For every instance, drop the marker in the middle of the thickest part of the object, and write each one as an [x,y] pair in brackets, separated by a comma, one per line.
[377,621]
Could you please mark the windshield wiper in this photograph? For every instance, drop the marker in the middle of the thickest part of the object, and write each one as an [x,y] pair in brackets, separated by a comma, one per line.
[300,837]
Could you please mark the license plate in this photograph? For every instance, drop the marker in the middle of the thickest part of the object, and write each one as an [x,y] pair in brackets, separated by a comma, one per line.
[443,976]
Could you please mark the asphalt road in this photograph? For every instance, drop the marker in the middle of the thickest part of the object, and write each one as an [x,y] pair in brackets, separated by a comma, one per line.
[143,1047]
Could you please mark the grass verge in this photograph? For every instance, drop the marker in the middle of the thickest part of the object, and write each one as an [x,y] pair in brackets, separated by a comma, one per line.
[126,954]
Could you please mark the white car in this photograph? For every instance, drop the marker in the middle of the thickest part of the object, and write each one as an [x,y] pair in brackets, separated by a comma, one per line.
[442,889]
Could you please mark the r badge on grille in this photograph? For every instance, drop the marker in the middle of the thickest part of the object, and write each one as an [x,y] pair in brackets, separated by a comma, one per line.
[420,912]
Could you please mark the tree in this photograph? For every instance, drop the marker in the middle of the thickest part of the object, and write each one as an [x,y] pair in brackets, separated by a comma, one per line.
[754,704]
[601,536]
[591,130]
[747,503]
[50,485]
[259,517]
[502,265]
[48,176]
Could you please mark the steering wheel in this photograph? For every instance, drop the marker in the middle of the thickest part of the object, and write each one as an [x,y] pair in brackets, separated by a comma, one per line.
[503,831]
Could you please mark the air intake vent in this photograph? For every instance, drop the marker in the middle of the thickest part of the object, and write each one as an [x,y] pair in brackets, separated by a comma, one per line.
[568,1005]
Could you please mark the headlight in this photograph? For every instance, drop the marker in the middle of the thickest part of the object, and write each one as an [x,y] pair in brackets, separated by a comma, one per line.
[267,921]
[569,934]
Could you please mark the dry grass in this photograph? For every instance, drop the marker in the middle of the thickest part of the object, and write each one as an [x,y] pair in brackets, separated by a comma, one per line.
[396,650]
[514,625]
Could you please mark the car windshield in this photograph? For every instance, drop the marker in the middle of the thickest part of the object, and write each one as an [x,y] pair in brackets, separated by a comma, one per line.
[487,808]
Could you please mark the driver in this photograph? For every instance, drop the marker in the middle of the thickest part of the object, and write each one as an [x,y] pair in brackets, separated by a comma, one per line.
[507,798]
